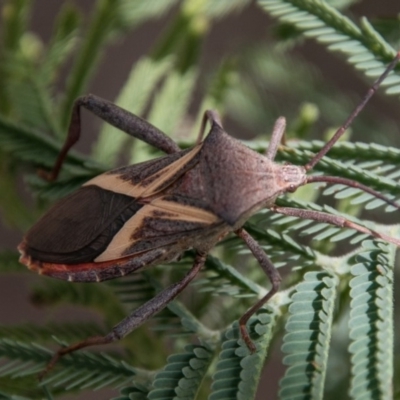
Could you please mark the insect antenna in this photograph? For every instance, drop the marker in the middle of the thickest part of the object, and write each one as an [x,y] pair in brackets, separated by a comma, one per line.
[371,91]
[348,182]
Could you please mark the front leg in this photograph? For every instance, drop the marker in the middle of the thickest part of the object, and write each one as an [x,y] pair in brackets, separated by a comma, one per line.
[273,275]
[116,116]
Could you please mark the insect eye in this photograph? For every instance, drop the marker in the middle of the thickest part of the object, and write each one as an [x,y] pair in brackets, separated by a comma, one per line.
[292,188]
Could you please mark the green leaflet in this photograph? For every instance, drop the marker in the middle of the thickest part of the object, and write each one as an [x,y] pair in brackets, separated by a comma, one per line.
[319,20]
[134,97]
[371,321]
[133,392]
[108,19]
[5,396]
[182,375]
[63,42]
[237,371]
[307,340]
[65,331]
[131,13]
[93,371]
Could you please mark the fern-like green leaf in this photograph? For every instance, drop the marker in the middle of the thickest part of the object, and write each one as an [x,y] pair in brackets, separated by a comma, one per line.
[5,396]
[237,371]
[131,13]
[224,7]
[227,272]
[371,321]
[136,391]
[71,332]
[308,336]
[166,113]
[182,375]
[31,146]
[64,41]
[363,46]
[136,93]
[94,371]
[92,296]
[100,29]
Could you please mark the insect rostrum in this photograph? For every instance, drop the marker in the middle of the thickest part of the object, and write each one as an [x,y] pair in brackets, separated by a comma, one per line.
[149,213]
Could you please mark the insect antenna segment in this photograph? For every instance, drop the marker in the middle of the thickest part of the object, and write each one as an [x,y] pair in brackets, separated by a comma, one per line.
[371,91]
[324,150]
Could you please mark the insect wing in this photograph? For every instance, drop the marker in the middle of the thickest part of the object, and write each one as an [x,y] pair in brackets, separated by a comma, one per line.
[162,222]
[80,227]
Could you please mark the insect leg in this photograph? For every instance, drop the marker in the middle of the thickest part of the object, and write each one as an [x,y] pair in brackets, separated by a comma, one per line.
[116,116]
[276,138]
[273,276]
[137,318]
[333,220]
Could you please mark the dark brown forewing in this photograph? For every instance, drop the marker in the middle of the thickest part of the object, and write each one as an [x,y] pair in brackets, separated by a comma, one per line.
[81,226]
[164,221]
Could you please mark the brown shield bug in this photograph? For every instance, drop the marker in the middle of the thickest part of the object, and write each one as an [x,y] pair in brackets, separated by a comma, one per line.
[149,213]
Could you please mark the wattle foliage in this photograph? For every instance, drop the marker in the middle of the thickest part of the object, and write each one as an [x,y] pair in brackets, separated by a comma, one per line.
[335,313]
